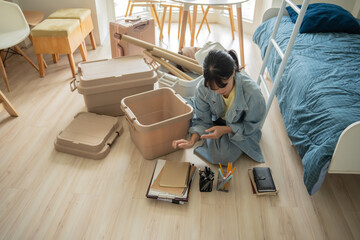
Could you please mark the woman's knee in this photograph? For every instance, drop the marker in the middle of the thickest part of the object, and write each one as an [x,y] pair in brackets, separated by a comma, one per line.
[223,153]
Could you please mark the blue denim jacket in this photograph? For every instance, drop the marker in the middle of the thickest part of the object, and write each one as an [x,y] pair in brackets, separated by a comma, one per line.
[245,115]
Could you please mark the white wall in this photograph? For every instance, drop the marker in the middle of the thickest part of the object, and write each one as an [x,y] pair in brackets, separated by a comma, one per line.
[102,18]
[99,12]
[356,11]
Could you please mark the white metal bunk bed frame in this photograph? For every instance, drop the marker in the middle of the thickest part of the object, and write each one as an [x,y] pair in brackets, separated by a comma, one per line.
[346,157]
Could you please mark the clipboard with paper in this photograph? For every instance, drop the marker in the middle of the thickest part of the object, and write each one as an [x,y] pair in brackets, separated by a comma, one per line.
[172,194]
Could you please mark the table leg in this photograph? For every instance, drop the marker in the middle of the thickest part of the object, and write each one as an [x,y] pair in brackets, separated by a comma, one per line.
[72,64]
[240,30]
[193,25]
[202,21]
[183,26]
[155,14]
[169,22]
[162,23]
[180,15]
[83,51]
[41,65]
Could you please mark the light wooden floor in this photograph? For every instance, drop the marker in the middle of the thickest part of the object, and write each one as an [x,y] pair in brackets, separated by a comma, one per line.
[45,194]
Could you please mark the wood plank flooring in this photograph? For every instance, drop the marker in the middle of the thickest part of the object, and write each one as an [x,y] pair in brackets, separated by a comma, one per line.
[45,194]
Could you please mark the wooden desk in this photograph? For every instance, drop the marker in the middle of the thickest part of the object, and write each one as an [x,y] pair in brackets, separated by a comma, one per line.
[195,3]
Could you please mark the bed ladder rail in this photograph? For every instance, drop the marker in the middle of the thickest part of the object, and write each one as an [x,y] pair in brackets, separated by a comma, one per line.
[284,56]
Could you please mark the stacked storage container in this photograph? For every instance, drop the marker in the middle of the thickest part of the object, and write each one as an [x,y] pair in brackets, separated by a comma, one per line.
[105,83]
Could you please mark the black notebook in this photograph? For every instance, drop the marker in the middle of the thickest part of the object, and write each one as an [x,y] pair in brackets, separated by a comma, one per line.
[263,179]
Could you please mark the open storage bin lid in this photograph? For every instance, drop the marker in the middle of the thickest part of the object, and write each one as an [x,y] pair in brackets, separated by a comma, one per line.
[89,135]
[112,74]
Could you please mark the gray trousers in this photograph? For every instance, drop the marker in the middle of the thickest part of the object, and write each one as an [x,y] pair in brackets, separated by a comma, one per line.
[219,150]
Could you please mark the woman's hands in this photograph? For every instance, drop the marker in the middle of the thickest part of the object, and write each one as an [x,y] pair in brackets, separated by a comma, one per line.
[216,132]
[183,143]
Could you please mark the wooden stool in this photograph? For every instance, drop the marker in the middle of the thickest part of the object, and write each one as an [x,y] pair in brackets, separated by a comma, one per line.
[83,15]
[58,36]
[33,18]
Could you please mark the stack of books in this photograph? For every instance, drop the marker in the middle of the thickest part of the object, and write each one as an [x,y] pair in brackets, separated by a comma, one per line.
[171,181]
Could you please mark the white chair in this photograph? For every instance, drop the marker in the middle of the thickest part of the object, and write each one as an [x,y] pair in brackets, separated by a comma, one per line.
[5,104]
[13,30]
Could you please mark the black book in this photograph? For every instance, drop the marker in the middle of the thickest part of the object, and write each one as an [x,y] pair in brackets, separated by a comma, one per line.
[263,179]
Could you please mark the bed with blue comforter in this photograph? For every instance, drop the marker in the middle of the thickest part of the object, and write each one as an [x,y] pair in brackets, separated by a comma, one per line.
[319,92]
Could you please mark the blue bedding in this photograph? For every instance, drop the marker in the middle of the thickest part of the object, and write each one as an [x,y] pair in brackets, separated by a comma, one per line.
[319,93]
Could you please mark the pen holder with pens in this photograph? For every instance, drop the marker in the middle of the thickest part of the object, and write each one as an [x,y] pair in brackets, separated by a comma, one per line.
[224,178]
[223,184]
[206,180]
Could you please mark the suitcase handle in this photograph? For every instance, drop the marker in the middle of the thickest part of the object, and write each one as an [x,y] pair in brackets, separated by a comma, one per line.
[117,36]
[132,19]
[121,50]
[141,26]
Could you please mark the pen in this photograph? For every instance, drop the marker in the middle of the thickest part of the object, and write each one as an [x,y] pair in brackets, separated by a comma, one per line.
[222,176]
[205,186]
[231,172]
[171,200]
[223,183]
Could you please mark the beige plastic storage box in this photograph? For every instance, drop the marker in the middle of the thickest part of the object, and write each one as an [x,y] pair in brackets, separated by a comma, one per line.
[104,83]
[89,135]
[155,119]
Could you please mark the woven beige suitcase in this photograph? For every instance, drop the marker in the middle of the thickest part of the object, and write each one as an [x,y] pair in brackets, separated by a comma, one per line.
[142,29]
[104,83]
[89,135]
[155,119]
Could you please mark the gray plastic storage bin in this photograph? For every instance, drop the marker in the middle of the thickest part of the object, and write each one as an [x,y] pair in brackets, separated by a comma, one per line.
[104,83]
